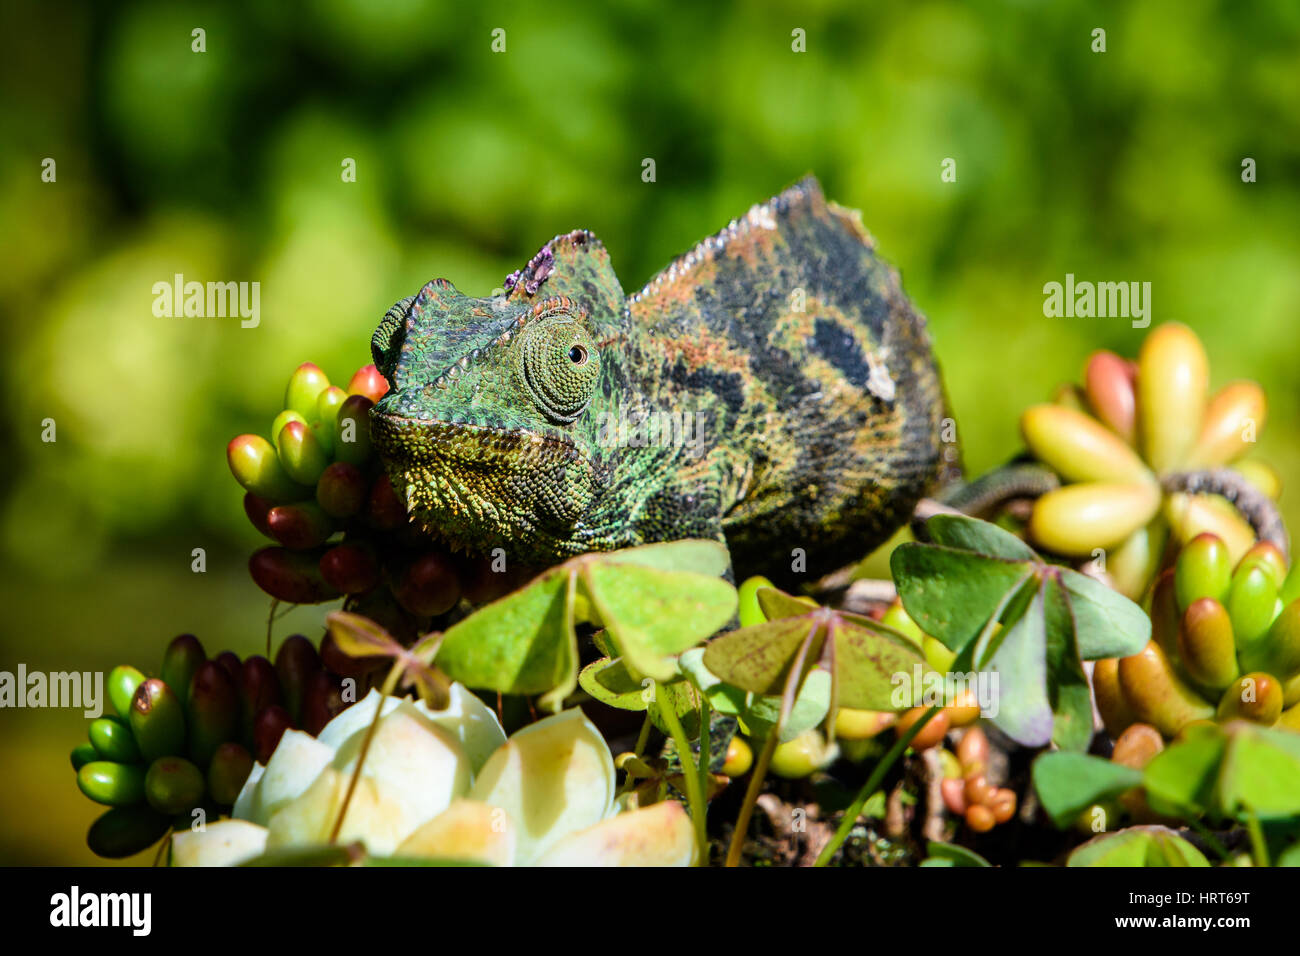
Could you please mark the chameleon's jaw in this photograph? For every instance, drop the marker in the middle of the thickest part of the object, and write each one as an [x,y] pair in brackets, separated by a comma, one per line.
[411,440]
[481,486]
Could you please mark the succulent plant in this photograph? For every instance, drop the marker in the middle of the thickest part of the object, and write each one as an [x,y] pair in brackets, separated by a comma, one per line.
[1145,454]
[1225,645]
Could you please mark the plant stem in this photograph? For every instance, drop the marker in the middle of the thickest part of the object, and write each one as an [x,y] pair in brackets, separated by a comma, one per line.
[1258,845]
[1207,835]
[757,775]
[390,682]
[877,775]
[694,796]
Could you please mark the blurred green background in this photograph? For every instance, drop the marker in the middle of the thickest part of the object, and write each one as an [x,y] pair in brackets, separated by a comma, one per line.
[225,165]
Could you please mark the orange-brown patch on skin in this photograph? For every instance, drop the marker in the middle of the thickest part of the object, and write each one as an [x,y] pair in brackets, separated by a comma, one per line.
[754,247]
[706,352]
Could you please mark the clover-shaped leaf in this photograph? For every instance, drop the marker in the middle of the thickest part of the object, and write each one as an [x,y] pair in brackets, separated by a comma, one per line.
[1235,771]
[653,601]
[1069,783]
[987,597]
[1138,846]
[861,657]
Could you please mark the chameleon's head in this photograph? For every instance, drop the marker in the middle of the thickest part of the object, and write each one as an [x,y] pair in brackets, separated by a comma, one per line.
[489,431]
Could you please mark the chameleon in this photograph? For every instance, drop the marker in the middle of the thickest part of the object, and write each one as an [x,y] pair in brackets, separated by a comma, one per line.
[772,389]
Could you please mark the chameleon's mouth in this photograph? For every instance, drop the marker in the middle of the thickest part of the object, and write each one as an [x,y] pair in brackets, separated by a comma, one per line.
[417,440]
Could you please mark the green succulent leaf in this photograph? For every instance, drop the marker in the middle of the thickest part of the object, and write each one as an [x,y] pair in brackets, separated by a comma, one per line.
[1138,846]
[1069,783]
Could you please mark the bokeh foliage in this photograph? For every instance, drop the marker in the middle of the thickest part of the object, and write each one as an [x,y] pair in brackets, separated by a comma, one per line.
[225,166]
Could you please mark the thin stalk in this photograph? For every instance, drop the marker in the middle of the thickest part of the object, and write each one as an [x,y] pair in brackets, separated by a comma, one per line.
[873,782]
[390,682]
[756,777]
[1207,835]
[1258,845]
[706,752]
[694,796]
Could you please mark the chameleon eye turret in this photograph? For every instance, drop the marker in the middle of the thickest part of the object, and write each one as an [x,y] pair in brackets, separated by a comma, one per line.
[558,364]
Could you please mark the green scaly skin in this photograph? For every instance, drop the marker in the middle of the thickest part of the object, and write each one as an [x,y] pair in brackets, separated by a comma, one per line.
[794,398]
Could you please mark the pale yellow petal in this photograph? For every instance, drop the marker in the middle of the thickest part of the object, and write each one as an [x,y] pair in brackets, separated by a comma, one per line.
[225,843]
[467,830]
[658,835]
[553,778]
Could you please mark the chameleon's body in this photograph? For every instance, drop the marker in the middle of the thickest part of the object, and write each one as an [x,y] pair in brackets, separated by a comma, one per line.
[791,386]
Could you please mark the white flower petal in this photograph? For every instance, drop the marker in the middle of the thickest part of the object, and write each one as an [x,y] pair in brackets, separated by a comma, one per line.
[225,843]
[553,777]
[243,808]
[658,835]
[467,830]
[414,764]
[297,760]
[467,718]
[375,818]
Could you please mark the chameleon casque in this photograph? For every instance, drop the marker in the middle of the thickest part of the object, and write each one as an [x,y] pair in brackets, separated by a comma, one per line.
[792,387]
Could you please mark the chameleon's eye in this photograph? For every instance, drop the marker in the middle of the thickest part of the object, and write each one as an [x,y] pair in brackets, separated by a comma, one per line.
[560,367]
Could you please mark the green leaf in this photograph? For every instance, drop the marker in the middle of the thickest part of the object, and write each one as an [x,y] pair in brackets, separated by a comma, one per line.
[1069,783]
[867,658]
[685,702]
[652,614]
[1068,690]
[950,854]
[516,645]
[1106,623]
[1290,856]
[1020,661]
[695,555]
[759,714]
[358,636]
[810,708]
[609,681]
[777,604]
[983,537]
[1260,772]
[1138,846]
[951,594]
[1183,775]
[758,658]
